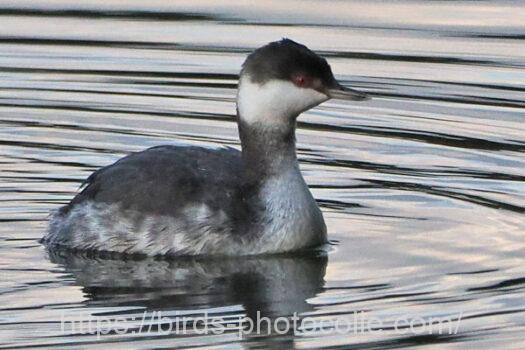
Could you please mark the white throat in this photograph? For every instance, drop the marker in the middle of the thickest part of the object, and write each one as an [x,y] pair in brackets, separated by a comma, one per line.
[274,102]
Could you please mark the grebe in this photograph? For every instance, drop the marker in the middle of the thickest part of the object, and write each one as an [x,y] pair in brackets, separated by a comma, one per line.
[186,200]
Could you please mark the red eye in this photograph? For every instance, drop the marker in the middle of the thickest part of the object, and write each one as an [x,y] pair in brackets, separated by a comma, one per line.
[300,80]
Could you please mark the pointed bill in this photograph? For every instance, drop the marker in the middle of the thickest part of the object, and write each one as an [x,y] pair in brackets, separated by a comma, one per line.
[344,93]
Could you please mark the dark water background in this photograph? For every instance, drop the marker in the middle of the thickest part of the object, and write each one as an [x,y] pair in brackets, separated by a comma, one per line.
[422,187]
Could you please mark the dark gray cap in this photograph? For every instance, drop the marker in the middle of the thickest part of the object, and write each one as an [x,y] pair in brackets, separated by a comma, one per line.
[281,59]
[285,59]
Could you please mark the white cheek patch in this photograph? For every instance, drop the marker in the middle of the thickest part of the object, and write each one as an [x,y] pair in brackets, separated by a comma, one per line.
[274,102]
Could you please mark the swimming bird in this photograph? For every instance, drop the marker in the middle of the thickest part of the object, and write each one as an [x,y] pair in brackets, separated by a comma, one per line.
[189,201]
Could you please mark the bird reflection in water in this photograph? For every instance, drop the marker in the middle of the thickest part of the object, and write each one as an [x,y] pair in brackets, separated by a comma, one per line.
[270,287]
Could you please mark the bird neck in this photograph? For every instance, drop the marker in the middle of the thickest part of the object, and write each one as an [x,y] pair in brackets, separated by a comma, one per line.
[267,151]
